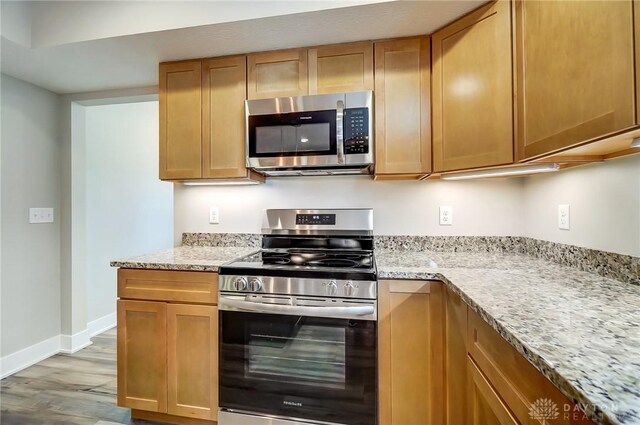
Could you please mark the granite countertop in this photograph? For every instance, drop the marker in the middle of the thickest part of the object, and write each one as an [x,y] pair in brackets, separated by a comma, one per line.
[194,258]
[581,330]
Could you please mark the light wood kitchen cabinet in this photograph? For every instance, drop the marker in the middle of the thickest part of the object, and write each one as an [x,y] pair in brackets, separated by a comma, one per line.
[516,381]
[485,406]
[402,108]
[341,68]
[636,25]
[455,359]
[192,360]
[142,355]
[572,86]
[410,347]
[168,345]
[224,83]
[180,98]
[473,90]
[281,73]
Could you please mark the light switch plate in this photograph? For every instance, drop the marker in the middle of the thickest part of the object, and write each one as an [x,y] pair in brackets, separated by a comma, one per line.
[446,216]
[214,215]
[40,215]
[564,217]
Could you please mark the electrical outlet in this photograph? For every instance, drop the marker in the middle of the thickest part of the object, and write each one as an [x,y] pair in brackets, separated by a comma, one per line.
[40,215]
[446,216]
[564,217]
[214,215]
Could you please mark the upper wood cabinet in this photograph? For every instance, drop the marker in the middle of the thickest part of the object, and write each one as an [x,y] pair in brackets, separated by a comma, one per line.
[473,91]
[410,346]
[277,74]
[224,83]
[192,360]
[402,107]
[142,355]
[636,17]
[575,72]
[180,120]
[341,68]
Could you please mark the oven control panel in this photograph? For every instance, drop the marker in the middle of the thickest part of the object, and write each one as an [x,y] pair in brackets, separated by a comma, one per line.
[299,286]
[316,219]
[356,130]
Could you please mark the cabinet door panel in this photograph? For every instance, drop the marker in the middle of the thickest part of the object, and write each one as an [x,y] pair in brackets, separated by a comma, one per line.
[410,353]
[486,407]
[455,361]
[341,68]
[142,355]
[403,125]
[472,91]
[192,360]
[636,25]
[180,121]
[277,74]
[575,72]
[224,83]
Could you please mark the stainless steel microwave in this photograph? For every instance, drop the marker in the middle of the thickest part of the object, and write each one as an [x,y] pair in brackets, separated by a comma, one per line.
[311,135]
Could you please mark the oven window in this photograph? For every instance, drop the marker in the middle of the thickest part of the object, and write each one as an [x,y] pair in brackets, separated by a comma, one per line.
[293,139]
[307,355]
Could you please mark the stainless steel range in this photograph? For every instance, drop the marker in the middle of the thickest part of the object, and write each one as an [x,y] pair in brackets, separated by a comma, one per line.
[298,324]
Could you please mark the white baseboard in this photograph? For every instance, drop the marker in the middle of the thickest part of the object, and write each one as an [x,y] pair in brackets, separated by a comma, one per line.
[29,356]
[67,344]
[102,324]
[70,344]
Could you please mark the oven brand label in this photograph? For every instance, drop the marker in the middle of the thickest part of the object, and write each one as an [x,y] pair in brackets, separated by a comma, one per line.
[291,403]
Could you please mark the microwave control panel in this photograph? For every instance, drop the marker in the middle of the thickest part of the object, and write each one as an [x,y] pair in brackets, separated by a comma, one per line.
[356,130]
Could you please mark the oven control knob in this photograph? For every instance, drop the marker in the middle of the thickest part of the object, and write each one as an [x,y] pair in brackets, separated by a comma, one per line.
[256,284]
[240,283]
[349,289]
[332,288]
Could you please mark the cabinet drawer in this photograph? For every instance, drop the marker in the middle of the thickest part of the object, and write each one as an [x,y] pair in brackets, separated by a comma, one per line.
[515,380]
[164,285]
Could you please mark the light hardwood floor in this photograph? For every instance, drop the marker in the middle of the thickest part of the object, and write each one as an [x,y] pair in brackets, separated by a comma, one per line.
[76,389]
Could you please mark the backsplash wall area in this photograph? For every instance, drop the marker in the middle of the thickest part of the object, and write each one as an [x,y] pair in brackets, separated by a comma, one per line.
[601,217]
[481,207]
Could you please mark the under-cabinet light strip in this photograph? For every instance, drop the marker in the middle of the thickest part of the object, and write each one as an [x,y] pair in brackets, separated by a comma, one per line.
[503,172]
[635,143]
[223,183]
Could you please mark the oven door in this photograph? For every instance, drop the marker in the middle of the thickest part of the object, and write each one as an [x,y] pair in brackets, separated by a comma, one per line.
[293,366]
[293,139]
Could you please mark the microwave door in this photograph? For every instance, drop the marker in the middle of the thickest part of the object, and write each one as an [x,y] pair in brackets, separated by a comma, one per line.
[293,139]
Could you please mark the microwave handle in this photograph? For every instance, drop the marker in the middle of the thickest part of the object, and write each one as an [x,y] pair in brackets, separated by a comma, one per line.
[340,131]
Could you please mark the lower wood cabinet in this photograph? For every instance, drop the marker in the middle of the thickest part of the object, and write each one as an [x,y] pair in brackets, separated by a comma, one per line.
[142,355]
[484,406]
[192,360]
[410,347]
[167,350]
[441,363]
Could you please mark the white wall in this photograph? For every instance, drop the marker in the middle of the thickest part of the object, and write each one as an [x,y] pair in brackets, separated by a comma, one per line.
[128,210]
[482,207]
[604,201]
[31,175]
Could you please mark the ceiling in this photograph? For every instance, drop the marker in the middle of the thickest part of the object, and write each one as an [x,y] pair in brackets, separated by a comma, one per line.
[82,46]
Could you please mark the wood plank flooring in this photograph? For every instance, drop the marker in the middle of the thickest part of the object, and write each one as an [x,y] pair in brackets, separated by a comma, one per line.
[75,389]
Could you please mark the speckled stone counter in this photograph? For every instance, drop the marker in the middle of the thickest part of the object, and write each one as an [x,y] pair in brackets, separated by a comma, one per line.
[195,258]
[581,330]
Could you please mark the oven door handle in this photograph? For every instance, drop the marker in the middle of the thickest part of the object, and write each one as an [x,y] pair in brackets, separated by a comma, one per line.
[364,312]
